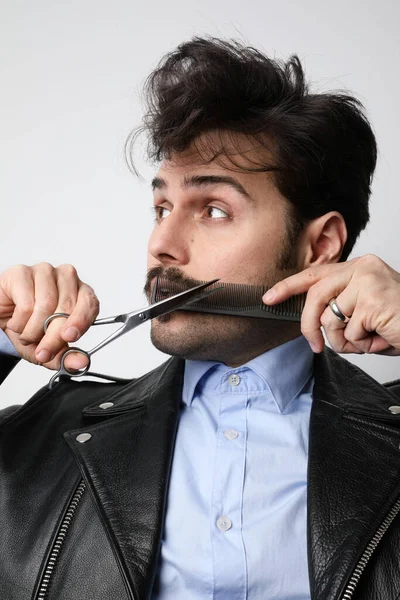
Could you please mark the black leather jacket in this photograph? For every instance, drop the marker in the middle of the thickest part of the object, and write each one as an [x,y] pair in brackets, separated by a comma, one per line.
[84,520]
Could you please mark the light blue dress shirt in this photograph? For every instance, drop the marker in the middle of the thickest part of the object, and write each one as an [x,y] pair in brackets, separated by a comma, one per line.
[6,346]
[236,514]
[235,526]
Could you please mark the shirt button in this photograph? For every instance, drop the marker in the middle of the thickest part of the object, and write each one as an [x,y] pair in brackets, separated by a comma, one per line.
[234,379]
[231,434]
[224,523]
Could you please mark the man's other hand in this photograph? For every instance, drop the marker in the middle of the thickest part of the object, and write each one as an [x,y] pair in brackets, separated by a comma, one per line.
[29,295]
[365,288]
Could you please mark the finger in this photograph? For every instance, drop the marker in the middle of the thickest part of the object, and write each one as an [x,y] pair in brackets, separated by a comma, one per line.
[390,351]
[84,314]
[28,353]
[73,361]
[346,301]
[361,334]
[23,295]
[81,318]
[377,345]
[66,280]
[335,331]
[355,336]
[51,343]
[46,298]
[300,282]
[68,285]
[315,311]
[76,361]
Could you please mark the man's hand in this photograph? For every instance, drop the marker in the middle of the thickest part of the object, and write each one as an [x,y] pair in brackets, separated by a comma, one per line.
[28,295]
[365,288]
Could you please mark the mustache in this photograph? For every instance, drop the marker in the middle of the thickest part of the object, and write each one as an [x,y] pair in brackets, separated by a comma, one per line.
[172,274]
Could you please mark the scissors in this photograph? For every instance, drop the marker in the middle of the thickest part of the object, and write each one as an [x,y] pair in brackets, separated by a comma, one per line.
[130,321]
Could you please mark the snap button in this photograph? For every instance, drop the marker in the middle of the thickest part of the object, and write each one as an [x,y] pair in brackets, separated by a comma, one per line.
[106,405]
[83,437]
[234,379]
[231,434]
[395,410]
[224,523]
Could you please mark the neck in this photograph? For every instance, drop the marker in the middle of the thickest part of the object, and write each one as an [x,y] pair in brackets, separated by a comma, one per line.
[251,348]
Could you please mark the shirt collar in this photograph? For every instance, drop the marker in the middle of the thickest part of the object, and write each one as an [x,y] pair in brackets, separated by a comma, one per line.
[285,370]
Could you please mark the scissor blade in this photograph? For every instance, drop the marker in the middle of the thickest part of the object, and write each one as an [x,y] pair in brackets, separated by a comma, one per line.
[178,300]
[132,320]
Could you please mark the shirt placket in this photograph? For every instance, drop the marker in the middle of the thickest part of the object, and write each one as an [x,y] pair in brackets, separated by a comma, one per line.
[229,561]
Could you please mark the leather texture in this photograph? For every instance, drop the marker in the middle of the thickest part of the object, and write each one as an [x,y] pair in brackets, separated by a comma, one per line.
[7,363]
[112,547]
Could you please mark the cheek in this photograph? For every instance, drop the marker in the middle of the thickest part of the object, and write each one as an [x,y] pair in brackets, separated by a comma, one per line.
[250,253]
[234,262]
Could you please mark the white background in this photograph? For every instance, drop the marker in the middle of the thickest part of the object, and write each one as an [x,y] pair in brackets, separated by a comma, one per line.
[71,74]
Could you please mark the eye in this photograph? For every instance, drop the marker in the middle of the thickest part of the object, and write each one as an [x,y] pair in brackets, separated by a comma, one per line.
[161,212]
[213,212]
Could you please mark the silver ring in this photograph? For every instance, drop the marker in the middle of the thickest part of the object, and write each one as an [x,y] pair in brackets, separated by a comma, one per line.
[337,312]
[49,319]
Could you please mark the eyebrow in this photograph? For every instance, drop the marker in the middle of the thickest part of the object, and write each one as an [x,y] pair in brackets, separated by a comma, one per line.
[202,181]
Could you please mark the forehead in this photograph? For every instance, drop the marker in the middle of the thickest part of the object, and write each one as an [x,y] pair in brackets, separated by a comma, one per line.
[200,159]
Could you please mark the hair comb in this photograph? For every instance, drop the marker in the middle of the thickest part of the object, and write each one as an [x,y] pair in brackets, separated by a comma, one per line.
[234,299]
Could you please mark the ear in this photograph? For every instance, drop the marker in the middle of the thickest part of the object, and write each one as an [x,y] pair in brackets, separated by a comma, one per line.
[322,240]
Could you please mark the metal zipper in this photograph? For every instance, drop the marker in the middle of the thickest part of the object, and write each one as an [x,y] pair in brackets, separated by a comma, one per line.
[59,541]
[368,552]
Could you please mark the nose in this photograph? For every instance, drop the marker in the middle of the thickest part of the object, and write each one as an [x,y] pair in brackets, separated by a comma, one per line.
[167,243]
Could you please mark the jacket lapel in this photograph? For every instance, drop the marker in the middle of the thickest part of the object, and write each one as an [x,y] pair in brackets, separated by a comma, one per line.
[126,465]
[353,469]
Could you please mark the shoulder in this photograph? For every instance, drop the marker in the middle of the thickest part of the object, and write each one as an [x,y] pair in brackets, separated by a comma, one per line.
[8,411]
[65,400]
[69,399]
[343,384]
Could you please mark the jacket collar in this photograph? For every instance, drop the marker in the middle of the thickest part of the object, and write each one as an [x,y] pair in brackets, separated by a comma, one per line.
[353,469]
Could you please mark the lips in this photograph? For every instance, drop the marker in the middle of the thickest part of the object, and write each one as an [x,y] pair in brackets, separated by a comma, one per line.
[161,292]
[163,287]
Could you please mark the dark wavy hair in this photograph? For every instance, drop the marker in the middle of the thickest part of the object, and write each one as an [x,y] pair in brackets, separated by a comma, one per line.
[323,147]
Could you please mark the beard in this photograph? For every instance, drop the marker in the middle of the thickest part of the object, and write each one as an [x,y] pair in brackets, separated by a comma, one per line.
[224,338]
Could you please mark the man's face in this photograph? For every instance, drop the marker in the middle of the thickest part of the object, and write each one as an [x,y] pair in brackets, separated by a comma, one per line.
[212,222]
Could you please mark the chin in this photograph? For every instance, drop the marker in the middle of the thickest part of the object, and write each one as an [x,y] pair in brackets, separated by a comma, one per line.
[173,327]
[196,336]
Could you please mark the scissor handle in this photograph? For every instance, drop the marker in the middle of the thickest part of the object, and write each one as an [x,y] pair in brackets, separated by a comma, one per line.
[55,316]
[63,370]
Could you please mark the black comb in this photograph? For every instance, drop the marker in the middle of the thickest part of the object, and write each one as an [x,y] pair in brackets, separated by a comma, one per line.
[236,299]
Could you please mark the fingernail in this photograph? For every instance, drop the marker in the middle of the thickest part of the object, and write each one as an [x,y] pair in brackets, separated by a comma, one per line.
[269,296]
[43,356]
[72,334]
[314,348]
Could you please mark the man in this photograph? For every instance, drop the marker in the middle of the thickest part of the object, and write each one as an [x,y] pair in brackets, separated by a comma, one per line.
[246,466]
